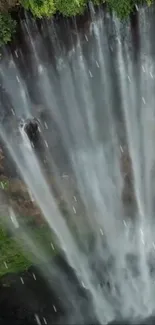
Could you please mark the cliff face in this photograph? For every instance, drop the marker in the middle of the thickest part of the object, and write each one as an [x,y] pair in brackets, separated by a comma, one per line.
[27,298]
[6,5]
[24,296]
[127,173]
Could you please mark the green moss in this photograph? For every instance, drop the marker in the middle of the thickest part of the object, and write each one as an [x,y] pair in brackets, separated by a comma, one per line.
[40,8]
[11,257]
[7,28]
[70,7]
[16,257]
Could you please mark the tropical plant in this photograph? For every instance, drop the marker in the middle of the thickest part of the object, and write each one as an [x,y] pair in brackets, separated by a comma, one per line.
[123,8]
[7,28]
[39,8]
[70,7]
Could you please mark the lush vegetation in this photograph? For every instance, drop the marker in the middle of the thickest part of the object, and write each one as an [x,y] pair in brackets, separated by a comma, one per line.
[16,257]
[40,8]
[7,28]
[47,8]
[70,7]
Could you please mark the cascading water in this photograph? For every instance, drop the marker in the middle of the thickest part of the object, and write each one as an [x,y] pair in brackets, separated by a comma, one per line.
[99,134]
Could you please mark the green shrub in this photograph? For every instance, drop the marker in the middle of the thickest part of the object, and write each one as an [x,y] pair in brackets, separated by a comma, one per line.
[70,7]
[122,8]
[39,8]
[7,28]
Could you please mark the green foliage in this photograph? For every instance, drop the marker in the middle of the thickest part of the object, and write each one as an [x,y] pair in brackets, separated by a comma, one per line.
[46,8]
[16,257]
[4,185]
[70,7]
[39,8]
[7,28]
[122,8]
[10,255]
[149,2]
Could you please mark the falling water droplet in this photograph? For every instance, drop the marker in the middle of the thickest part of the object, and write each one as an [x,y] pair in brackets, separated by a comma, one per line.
[119,41]
[45,321]
[37,319]
[142,236]
[86,37]
[2,185]
[13,112]
[90,74]
[129,79]
[40,68]
[121,149]
[52,246]
[14,220]
[124,223]
[83,285]
[75,199]
[17,78]
[143,99]
[34,276]
[54,308]
[46,126]
[151,75]
[101,231]
[46,144]
[143,69]
[74,209]
[16,53]
[97,64]
[136,7]
[5,264]
[21,279]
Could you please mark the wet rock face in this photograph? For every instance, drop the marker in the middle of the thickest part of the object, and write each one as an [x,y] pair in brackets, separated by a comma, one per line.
[31,128]
[127,173]
[22,301]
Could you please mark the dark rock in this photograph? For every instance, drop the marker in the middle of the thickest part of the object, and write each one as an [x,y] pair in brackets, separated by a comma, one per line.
[31,128]
[20,302]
